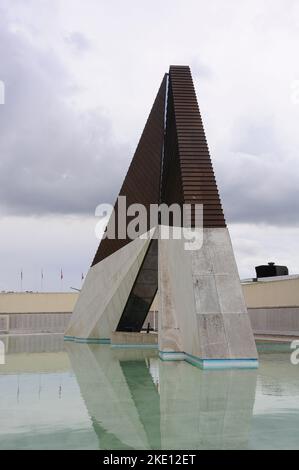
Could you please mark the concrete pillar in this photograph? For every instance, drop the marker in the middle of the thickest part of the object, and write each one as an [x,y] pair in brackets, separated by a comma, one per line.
[202,316]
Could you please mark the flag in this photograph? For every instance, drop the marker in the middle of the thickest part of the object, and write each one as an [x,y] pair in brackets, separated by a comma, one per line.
[61,274]
[82,277]
[42,274]
[21,274]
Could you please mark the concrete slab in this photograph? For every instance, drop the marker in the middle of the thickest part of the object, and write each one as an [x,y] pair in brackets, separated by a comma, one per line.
[105,292]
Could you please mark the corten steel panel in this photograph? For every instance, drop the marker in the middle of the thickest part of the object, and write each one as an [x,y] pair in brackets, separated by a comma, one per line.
[188,175]
[142,182]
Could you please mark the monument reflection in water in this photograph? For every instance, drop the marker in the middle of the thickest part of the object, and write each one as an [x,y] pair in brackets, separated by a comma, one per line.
[138,402]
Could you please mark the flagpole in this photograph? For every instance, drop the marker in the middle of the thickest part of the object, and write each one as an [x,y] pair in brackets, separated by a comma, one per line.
[41,280]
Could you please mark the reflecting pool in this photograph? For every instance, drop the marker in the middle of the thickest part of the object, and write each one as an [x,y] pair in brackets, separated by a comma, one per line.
[63,395]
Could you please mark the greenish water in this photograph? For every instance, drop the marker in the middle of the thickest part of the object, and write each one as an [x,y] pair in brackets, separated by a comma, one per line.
[60,395]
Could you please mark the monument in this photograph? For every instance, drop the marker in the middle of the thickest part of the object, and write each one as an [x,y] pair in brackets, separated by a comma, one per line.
[202,314]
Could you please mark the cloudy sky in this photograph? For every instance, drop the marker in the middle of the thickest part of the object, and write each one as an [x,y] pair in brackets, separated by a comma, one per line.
[80,78]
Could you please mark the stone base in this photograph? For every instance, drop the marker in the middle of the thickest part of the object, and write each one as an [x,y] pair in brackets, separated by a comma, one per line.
[202,313]
[126,339]
[78,339]
[209,364]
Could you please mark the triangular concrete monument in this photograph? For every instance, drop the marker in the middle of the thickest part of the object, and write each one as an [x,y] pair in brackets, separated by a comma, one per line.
[202,314]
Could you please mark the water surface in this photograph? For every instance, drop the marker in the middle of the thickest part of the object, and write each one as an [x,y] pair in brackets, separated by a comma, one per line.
[62,395]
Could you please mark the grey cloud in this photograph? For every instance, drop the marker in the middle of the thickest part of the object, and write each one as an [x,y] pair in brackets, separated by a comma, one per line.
[53,158]
[258,175]
[78,42]
[257,138]
[257,189]
[200,70]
